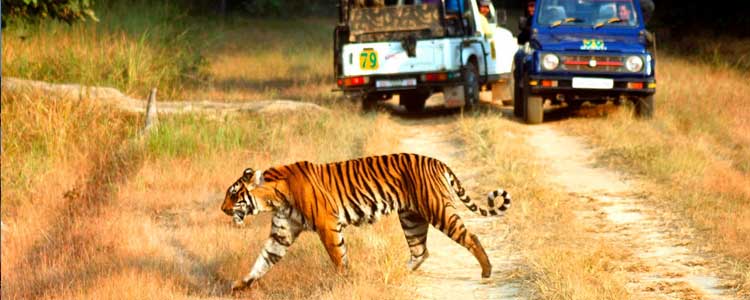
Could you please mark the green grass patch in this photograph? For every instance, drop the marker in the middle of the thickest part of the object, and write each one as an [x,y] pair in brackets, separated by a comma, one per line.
[157,47]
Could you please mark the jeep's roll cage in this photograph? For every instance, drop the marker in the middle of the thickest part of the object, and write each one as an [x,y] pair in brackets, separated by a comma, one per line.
[342,33]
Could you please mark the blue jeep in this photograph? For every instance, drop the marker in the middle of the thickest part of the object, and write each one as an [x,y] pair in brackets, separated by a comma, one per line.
[584,50]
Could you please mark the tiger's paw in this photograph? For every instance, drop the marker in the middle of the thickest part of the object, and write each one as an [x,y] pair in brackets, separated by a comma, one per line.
[414,262]
[241,285]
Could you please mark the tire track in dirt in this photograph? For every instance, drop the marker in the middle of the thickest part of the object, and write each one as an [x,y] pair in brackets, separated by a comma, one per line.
[451,272]
[661,265]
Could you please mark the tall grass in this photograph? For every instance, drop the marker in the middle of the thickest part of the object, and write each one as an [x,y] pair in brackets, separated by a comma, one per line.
[160,46]
[262,59]
[185,56]
[696,150]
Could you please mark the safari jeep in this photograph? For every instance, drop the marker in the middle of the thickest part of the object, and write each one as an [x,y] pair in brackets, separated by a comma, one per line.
[414,50]
[584,50]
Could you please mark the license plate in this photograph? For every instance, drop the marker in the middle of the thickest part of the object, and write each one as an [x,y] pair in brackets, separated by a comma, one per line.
[396,83]
[592,83]
[368,59]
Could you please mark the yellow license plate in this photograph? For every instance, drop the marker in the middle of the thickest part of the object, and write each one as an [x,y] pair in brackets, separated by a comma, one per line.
[368,59]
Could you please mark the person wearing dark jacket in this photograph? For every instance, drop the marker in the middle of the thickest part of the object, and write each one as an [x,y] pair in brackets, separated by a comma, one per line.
[647,6]
[525,23]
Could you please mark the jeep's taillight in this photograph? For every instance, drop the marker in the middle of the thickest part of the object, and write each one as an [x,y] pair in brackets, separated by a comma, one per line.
[353,81]
[442,76]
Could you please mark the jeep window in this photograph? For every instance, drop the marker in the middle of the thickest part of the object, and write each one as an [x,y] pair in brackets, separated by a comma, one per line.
[591,13]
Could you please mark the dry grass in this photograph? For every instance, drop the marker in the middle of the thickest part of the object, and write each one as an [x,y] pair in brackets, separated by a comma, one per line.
[262,59]
[561,259]
[696,150]
[238,60]
[144,222]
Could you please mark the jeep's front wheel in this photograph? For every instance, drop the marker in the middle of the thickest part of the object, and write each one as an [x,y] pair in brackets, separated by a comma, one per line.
[518,100]
[471,86]
[644,107]
[534,109]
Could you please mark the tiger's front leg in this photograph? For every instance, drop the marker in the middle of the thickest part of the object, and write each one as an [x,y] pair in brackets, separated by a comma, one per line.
[283,233]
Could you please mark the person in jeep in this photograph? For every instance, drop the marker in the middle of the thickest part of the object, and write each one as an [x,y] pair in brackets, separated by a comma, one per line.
[625,14]
[525,23]
[484,9]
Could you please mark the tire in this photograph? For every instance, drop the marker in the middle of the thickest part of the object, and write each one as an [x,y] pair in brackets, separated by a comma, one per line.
[518,96]
[369,102]
[534,109]
[414,101]
[471,86]
[644,107]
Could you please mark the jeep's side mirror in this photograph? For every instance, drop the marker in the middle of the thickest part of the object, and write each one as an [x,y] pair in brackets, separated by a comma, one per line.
[502,16]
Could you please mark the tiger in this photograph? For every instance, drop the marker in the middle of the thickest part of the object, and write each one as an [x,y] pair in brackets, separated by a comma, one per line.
[325,198]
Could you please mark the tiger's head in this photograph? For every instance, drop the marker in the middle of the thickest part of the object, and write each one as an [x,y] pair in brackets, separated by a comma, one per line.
[239,200]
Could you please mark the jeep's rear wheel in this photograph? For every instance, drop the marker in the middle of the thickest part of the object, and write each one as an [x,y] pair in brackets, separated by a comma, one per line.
[644,107]
[471,86]
[414,101]
[370,101]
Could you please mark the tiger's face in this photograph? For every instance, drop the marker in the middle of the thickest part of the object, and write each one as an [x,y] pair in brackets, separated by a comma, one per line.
[239,200]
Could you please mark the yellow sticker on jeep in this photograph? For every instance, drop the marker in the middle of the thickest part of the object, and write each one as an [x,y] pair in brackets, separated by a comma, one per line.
[368,59]
[593,44]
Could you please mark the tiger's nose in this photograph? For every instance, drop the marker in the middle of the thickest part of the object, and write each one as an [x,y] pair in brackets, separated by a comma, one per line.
[227,209]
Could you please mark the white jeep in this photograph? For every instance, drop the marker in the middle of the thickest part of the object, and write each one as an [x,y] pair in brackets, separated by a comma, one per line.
[414,50]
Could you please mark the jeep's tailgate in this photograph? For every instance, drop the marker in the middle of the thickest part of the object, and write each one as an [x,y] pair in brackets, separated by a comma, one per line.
[392,58]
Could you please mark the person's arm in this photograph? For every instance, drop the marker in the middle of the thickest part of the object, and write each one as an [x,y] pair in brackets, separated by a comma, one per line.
[486,28]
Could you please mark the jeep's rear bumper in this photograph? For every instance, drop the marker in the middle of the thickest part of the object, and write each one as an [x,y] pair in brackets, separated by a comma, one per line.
[390,83]
[545,85]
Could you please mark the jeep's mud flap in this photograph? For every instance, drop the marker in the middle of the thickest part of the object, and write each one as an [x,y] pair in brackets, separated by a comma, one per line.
[454,96]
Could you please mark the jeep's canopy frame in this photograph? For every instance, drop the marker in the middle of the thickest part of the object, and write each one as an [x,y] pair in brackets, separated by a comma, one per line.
[396,22]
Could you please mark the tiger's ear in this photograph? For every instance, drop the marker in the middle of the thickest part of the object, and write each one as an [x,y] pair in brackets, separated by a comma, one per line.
[247,175]
[258,178]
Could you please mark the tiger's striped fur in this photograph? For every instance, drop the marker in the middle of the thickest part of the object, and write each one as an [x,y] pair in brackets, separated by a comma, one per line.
[325,198]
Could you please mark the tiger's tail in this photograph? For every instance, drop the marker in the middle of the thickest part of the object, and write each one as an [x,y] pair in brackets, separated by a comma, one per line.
[491,209]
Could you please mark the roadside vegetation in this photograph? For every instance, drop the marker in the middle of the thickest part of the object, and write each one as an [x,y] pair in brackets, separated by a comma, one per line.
[235,58]
[88,215]
[695,151]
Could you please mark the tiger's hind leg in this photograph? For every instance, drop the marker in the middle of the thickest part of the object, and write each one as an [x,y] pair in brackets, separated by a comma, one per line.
[452,225]
[415,229]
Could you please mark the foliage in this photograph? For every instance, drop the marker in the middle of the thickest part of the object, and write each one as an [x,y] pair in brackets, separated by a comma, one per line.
[68,11]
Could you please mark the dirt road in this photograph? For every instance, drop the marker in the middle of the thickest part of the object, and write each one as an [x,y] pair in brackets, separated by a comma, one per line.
[662,263]
[451,272]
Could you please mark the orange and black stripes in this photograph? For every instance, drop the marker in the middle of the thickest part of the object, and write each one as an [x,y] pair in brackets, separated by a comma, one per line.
[327,197]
